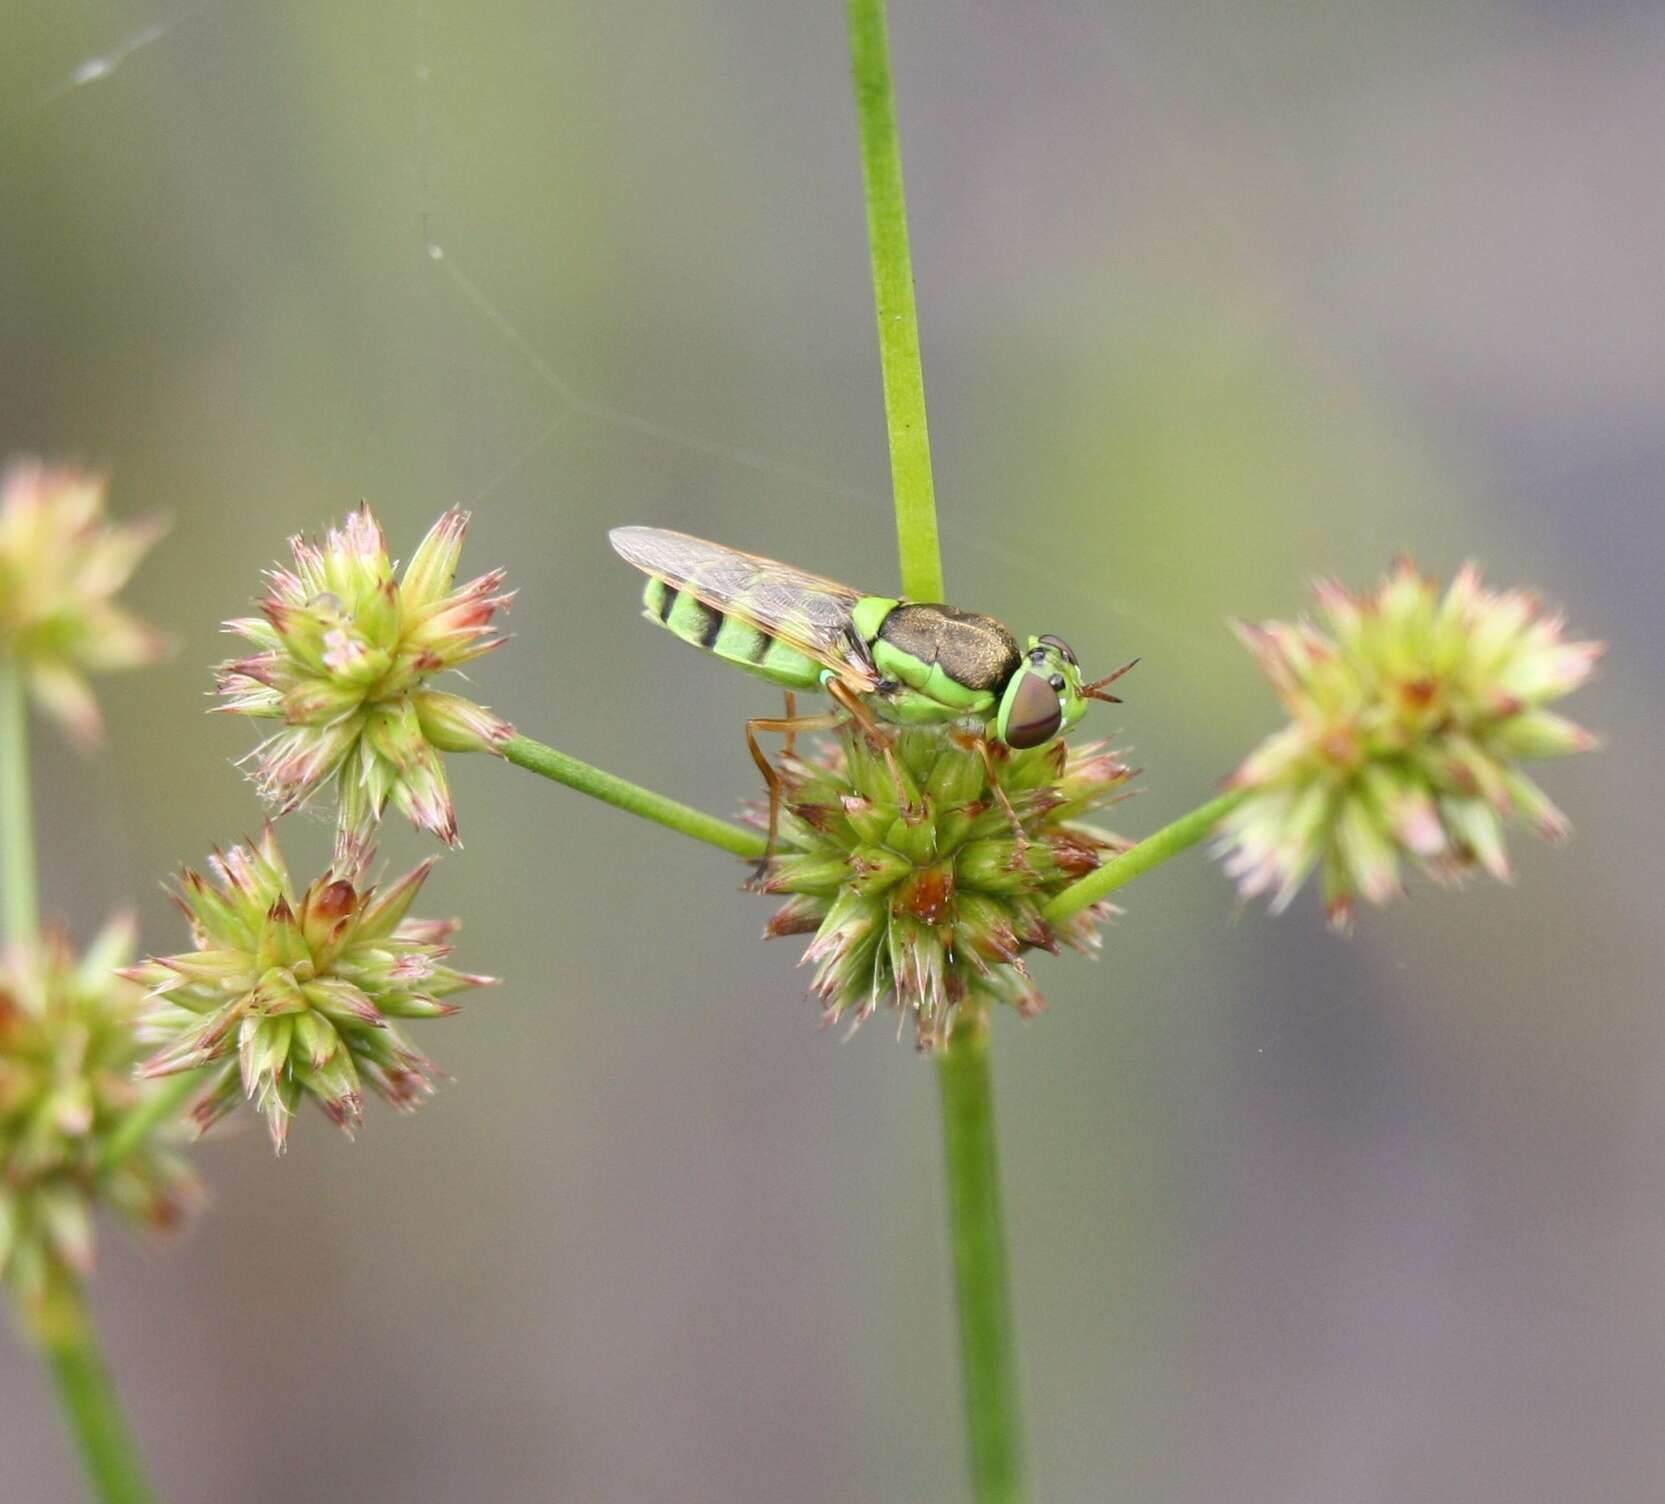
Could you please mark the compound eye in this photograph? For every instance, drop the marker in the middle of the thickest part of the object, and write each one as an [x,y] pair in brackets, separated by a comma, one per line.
[1065,651]
[1037,655]
[1057,682]
[1036,713]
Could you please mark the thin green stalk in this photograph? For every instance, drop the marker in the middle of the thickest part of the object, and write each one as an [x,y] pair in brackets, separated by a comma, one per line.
[91,1407]
[115,1469]
[65,1338]
[535,757]
[988,1341]
[988,1344]
[157,1107]
[988,1333]
[19,907]
[1151,852]
[887,238]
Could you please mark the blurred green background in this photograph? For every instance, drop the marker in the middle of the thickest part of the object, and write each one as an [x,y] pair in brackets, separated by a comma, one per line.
[1214,297]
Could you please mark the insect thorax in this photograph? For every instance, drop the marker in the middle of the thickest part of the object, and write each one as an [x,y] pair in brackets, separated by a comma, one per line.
[958,660]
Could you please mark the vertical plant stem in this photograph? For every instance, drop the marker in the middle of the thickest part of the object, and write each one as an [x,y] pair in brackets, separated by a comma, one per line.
[988,1343]
[63,1328]
[988,1333]
[887,238]
[19,907]
[91,1408]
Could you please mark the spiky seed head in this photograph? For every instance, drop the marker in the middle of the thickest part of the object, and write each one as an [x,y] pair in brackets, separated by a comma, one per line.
[61,566]
[297,993]
[68,1046]
[343,654]
[922,893]
[1410,712]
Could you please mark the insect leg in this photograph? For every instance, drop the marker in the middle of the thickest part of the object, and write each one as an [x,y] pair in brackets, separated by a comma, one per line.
[788,727]
[863,717]
[1019,836]
[791,715]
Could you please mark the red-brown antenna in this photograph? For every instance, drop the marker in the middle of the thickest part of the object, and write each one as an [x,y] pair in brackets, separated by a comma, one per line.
[1095,690]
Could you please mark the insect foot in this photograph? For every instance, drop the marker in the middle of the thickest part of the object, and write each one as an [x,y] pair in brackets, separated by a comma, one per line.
[921,870]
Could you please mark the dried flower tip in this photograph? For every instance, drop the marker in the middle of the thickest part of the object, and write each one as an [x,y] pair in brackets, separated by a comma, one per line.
[295,993]
[343,655]
[1409,713]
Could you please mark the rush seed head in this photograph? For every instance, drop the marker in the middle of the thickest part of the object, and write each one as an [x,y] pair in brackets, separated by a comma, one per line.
[344,652]
[61,566]
[298,993]
[1410,711]
[920,891]
[68,1046]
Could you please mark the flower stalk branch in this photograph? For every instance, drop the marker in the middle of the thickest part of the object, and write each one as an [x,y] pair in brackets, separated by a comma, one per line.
[1151,852]
[17,824]
[92,1410]
[161,1106]
[549,763]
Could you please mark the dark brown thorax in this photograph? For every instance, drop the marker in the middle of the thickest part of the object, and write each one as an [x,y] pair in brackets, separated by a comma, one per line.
[974,650]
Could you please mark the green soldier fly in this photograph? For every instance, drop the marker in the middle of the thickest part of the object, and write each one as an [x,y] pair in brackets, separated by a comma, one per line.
[881,658]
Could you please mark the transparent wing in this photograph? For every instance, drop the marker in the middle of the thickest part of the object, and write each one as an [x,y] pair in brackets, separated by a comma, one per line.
[803,610]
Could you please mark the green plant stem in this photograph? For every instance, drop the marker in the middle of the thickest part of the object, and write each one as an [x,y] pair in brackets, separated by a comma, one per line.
[1151,852]
[20,911]
[988,1333]
[535,757]
[157,1107]
[90,1404]
[64,1335]
[988,1342]
[893,298]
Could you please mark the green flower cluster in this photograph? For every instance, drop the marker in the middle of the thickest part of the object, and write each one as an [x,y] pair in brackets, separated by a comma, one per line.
[68,1099]
[1411,710]
[922,875]
[299,992]
[345,652]
[61,564]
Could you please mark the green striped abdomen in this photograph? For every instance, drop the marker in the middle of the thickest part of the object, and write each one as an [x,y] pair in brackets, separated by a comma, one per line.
[730,638]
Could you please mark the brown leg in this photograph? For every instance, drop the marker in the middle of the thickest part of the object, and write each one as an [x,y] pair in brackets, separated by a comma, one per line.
[850,701]
[789,727]
[791,715]
[1018,834]
[864,718]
